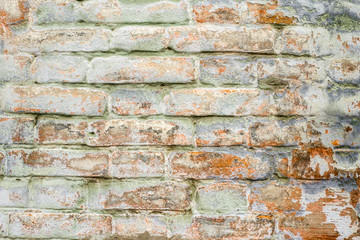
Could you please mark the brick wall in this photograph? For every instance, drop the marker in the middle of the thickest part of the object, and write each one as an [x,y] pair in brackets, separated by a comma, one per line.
[180,119]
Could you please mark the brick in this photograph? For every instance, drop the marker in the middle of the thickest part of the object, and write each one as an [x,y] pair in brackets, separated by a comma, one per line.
[60,225]
[58,68]
[275,197]
[125,164]
[209,101]
[15,68]
[346,71]
[344,102]
[221,39]
[217,132]
[277,133]
[276,73]
[224,12]
[112,11]
[141,70]
[298,100]
[135,226]
[14,12]
[229,227]
[346,44]
[140,132]
[219,164]
[58,193]
[315,161]
[291,70]
[233,12]
[14,192]
[269,12]
[329,212]
[57,163]
[228,70]
[252,132]
[139,38]
[56,131]
[140,195]
[61,40]
[136,102]
[16,130]
[304,41]
[221,198]
[49,11]
[56,100]
[4,219]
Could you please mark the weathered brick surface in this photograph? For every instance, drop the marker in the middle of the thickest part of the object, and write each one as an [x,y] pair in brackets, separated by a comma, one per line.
[220,39]
[111,11]
[16,130]
[14,193]
[133,164]
[140,132]
[15,68]
[58,225]
[134,226]
[142,195]
[58,193]
[141,70]
[46,69]
[179,119]
[57,163]
[62,40]
[221,198]
[69,101]
[220,165]
[54,131]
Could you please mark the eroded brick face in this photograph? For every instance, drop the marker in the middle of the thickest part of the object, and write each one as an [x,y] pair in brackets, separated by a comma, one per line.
[180,119]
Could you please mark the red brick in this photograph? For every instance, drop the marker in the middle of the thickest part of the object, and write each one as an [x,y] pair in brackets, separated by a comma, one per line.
[16,130]
[56,100]
[120,70]
[126,164]
[221,39]
[57,163]
[54,131]
[140,132]
[219,165]
[140,195]
[59,225]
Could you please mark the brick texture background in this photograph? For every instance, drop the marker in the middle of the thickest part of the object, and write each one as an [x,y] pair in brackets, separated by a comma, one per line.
[180,119]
